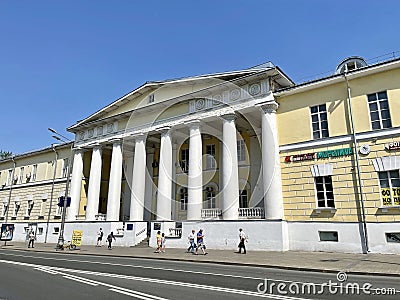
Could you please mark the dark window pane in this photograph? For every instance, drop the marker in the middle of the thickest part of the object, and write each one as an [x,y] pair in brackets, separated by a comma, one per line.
[325,133]
[314,118]
[322,107]
[376,125]
[315,126]
[387,123]
[314,109]
[323,116]
[331,203]
[319,180]
[374,116]
[321,203]
[395,183]
[373,106]
[394,174]
[385,114]
[382,95]
[316,135]
[324,124]
[372,97]
[320,196]
[382,175]
[384,105]
[329,195]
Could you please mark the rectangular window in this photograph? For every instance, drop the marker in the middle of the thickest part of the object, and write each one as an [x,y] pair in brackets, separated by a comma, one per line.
[210,198]
[34,172]
[319,121]
[17,205]
[184,160]
[42,208]
[65,167]
[389,182]
[29,208]
[243,199]
[21,175]
[151,98]
[210,157]
[241,150]
[379,110]
[324,189]
[9,177]
[183,195]
[4,209]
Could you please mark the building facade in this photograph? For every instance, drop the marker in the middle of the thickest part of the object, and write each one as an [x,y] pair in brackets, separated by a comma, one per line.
[312,166]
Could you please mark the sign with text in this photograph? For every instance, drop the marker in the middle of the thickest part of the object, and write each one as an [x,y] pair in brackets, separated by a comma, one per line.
[77,237]
[387,196]
[393,146]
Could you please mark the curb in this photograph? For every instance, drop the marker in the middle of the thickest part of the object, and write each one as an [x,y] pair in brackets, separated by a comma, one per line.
[290,268]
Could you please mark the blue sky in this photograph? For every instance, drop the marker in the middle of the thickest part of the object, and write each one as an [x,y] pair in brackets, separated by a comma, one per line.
[60,61]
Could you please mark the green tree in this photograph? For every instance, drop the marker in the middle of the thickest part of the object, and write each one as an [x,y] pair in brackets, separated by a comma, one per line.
[5,154]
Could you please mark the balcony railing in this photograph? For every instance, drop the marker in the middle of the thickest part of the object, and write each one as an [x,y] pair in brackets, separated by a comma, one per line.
[251,213]
[100,217]
[211,213]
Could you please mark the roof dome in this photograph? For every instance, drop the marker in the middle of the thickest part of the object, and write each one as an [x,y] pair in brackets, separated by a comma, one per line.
[351,63]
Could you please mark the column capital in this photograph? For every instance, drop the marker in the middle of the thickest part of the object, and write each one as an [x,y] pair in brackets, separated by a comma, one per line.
[141,137]
[194,124]
[115,141]
[78,150]
[97,147]
[165,130]
[229,117]
[269,108]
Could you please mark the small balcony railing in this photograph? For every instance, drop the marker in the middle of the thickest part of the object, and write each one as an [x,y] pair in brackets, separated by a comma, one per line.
[211,213]
[251,213]
[100,217]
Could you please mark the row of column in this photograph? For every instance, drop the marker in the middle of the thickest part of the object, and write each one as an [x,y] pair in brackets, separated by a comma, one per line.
[230,178]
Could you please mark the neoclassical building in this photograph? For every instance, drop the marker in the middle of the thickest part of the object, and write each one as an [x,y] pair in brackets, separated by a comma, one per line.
[311,166]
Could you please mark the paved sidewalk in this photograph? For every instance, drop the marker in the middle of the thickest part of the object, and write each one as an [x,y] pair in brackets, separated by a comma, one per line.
[378,264]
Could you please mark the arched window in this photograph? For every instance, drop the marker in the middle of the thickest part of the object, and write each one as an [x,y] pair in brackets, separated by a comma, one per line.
[183,198]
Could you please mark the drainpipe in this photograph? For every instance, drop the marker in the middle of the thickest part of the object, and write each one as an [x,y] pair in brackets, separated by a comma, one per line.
[51,194]
[365,232]
[9,194]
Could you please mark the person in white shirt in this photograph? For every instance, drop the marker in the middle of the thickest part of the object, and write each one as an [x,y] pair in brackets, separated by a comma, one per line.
[242,241]
[191,238]
[99,237]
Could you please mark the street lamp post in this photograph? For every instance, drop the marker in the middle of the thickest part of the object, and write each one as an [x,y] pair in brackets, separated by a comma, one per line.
[60,137]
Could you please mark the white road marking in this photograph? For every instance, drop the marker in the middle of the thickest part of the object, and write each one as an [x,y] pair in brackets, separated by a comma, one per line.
[140,267]
[157,281]
[75,278]
[136,294]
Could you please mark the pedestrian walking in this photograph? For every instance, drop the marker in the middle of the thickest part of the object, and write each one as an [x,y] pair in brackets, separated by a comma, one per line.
[200,242]
[31,237]
[100,235]
[242,241]
[158,239]
[110,237]
[163,242]
[192,244]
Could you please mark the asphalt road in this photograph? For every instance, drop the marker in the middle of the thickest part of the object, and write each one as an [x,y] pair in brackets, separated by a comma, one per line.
[31,275]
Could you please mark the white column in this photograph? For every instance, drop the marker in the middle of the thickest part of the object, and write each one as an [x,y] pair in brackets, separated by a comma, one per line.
[165,177]
[195,176]
[174,161]
[230,177]
[148,195]
[114,186]
[76,185]
[272,180]
[138,180]
[92,206]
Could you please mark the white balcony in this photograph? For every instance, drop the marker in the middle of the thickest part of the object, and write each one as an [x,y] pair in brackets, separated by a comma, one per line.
[251,213]
[211,213]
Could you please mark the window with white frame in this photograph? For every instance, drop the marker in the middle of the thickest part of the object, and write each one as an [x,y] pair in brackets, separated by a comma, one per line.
[21,174]
[184,160]
[34,172]
[210,157]
[319,121]
[4,209]
[210,197]
[379,110]
[243,199]
[17,206]
[183,198]
[29,208]
[65,167]
[151,98]
[9,177]
[389,182]
[324,189]
[241,150]
[42,207]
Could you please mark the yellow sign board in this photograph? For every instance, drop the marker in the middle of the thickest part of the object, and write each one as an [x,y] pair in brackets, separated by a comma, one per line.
[387,196]
[77,237]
